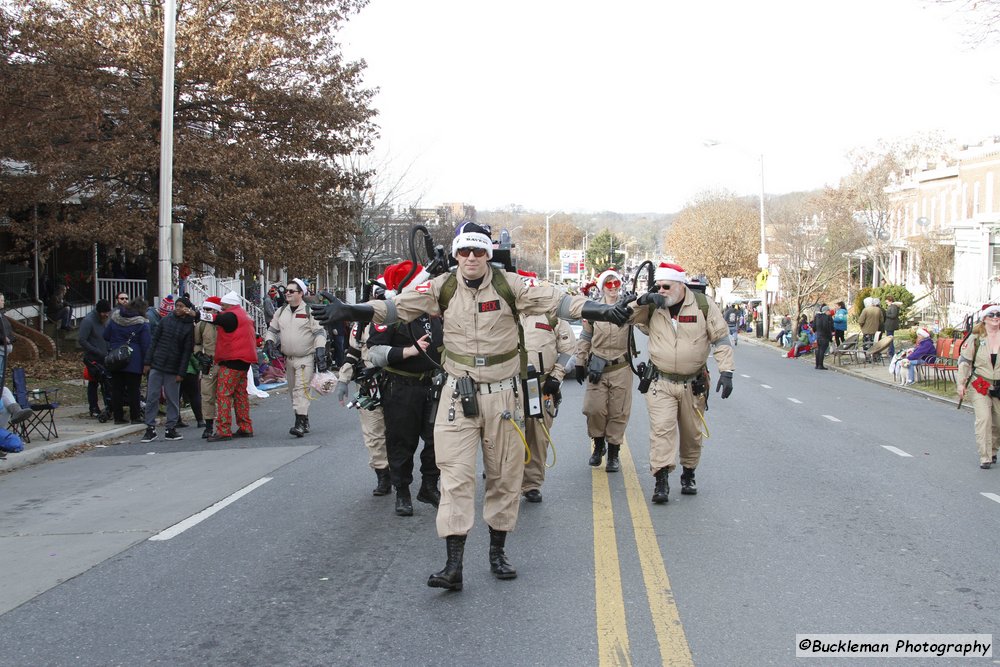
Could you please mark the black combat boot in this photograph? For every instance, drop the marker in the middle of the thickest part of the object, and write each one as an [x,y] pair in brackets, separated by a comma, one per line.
[499,565]
[209,424]
[662,488]
[404,506]
[613,465]
[305,423]
[428,492]
[299,429]
[451,576]
[599,449]
[688,486]
[384,484]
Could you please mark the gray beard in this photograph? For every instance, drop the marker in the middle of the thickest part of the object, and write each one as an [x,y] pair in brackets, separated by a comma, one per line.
[671,300]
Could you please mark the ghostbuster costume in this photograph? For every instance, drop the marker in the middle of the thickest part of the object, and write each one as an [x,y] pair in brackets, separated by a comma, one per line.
[302,341]
[407,395]
[602,359]
[481,399]
[372,421]
[682,326]
[550,343]
[980,375]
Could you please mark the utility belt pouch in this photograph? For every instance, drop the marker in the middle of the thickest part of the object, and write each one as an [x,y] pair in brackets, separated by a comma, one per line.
[647,373]
[532,386]
[699,385]
[437,388]
[595,368]
[466,388]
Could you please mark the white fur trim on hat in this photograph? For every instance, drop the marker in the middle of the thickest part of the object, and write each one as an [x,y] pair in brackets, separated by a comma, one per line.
[923,332]
[301,283]
[472,240]
[667,271]
[991,308]
[231,299]
[610,273]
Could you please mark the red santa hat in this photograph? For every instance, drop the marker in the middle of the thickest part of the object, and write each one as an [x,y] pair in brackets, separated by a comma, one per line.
[609,274]
[395,273]
[212,303]
[989,308]
[667,271]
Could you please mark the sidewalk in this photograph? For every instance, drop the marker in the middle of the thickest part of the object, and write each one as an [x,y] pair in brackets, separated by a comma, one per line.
[77,428]
[877,373]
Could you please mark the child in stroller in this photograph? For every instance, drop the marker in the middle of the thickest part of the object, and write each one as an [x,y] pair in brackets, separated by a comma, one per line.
[96,373]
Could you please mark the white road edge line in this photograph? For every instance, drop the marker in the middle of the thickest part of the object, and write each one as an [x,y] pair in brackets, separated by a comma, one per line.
[897,450]
[831,418]
[195,519]
[744,375]
[794,400]
[767,386]
[992,496]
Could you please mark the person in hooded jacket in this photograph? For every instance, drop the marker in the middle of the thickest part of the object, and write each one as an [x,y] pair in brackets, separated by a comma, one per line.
[127,325]
[166,362]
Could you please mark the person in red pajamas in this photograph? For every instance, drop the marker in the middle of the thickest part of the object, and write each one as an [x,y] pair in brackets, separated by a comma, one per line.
[235,350]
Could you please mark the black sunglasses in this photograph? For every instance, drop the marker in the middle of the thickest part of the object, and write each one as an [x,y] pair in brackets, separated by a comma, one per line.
[478,252]
[293,291]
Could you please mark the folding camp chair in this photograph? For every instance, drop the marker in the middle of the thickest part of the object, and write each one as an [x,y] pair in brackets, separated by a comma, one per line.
[849,348]
[41,402]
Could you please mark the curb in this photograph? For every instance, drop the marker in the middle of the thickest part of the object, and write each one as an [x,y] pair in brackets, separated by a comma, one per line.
[885,383]
[50,449]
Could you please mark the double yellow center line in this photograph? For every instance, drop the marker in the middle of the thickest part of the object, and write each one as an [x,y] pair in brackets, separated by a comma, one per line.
[612,627]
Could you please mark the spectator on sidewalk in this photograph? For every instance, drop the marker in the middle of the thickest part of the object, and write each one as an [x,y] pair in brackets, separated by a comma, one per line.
[190,389]
[59,311]
[784,336]
[7,339]
[891,322]
[840,323]
[822,326]
[166,361]
[154,315]
[95,348]
[921,353]
[127,325]
[870,320]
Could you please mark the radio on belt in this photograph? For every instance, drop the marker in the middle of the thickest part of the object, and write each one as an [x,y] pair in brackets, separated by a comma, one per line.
[532,393]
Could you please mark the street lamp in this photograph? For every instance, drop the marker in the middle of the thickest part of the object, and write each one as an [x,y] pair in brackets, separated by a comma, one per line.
[762,258]
[547,218]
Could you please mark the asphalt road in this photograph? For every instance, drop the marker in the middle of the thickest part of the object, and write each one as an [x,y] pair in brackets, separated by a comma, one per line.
[826,505]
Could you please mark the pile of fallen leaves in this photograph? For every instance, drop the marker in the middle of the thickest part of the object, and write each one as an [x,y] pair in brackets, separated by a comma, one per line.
[66,373]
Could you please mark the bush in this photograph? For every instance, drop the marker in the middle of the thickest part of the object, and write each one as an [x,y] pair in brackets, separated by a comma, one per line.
[897,292]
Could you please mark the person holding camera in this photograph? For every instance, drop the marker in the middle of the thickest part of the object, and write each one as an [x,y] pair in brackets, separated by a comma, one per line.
[602,360]
[303,343]
[977,365]
[482,398]
[683,325]
[409,353]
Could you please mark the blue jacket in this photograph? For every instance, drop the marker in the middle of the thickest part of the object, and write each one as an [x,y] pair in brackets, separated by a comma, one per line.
[840,320]
[124,323]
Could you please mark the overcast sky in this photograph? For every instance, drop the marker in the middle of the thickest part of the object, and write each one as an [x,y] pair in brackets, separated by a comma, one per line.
[576,105]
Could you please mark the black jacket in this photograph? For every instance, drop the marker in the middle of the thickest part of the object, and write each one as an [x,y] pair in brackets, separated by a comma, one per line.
[173,342]
[823,326]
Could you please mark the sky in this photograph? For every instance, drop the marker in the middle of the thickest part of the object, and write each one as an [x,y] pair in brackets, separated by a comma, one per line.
[576,106]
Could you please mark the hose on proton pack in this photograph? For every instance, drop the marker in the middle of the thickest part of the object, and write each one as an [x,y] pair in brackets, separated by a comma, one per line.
[513,422]
[633,351]
[437,260]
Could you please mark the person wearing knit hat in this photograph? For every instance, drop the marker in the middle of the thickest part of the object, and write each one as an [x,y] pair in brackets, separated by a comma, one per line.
[204,355]
[978,368]
[409,354]
[235,351]
[303,343]
[922,353]
[166,362]
[480,402]
[870,320]
[155,313]
[684,326]
[601,358]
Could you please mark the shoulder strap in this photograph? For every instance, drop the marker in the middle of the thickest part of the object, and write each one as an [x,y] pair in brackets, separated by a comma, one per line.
[702,303]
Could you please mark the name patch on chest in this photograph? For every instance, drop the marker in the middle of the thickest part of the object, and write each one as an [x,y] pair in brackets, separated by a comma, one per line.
[687,318]
[301,316]
[542,325]
[489,306]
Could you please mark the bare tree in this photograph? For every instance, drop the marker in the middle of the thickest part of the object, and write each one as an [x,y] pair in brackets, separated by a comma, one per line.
[935,262]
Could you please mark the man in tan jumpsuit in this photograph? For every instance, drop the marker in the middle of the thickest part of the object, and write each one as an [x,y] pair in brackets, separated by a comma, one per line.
[680,336]
[303,344]
[204,352]
[601,357]
[482,394]
[550,343]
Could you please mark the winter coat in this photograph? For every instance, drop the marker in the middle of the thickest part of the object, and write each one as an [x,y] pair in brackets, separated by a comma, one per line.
[124,323]
[892,318]
[91,337]
[840,320]
[823,326]
[172,344]
[870,320]
[924,351]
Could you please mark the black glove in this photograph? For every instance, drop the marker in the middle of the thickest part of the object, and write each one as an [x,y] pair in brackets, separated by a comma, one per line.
[725,383]
[551,386]
[338,311]
[617,313]
[320,363]
[270,349]
[581,374]
[205,362]
[652,297]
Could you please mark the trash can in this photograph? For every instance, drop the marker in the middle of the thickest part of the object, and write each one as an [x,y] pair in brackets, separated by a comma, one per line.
[760,328]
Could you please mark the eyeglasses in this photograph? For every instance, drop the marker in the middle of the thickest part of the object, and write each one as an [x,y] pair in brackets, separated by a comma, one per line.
[477,252]
[612,284]
[293,291]
[992,315]
[123,298]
